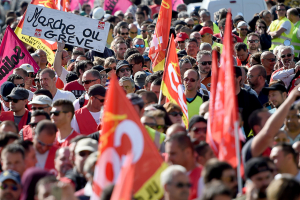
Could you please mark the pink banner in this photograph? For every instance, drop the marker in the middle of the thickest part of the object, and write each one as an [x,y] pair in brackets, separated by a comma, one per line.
[74,5]
[13,54]
[115,5]
[175,3]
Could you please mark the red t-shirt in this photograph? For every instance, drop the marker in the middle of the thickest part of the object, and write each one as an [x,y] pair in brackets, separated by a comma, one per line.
[75,88]
[66,141]
[154,9]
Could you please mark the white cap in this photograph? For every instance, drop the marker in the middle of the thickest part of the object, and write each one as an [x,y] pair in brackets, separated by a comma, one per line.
[27,68]
[86,144]
[41,100]
[98,13]
[106,16]
[242,23]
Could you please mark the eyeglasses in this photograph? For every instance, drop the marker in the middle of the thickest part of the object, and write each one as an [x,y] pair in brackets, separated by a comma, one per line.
[32,125]
[101,100]
[88,81]
[261,27]
[192,80]
[244,29]
[133,32]
[125,33]
[271,59]
[253,41]
[185,60]
[112,68]
[20,85]
[182,185]
[13,187]
[123,70]
[143,31]
[281,10]
[57,112]
[84,153]
[198,130]
[139,45]
[180,42]
[38,108]
[129,17]
[288,55]
[31,75]
[14,100]
[175,114]
[206,62]
[43,144]
[103,76]
[190,25]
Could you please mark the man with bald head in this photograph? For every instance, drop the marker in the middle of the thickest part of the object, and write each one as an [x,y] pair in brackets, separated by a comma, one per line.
[174,128]
[204,109]
[268,61]
[128,17]
[256,78]
[43,58]
[133,30]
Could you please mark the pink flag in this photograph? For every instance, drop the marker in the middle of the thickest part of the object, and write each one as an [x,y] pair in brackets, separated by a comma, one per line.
[75,4]
[114,5]
[175,3]
[13,54]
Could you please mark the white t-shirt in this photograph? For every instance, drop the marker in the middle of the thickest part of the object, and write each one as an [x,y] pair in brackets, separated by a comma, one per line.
[41,159]
[287,25]
[63,75]
[96,116]
[76,102]
[61,94]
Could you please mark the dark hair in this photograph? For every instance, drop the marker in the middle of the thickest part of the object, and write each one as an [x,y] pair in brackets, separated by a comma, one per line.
[84,6]
[201,148]
[136,58]
[129,52]
[23,4]
[213,169]
[45,125]
[254,118]
[240,46]
[5,137]
[44,92]
[81,65]
[157,81]
[280,4]
[150,96]
[294,11]
[14,148]
[121,27]
[150,78]
[144,8]
[10,123]
[78,53]
[9,21]
[26,144]
[72,76]
[40,113]
[25,74]
[191,40]
[222,23]
[12,77]
[67,105]
[288,149]
[256,57]
[183,140]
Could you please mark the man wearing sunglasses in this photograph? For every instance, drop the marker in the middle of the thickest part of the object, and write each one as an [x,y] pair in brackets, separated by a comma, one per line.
[136,62]
[133,30]
[180,40]
[242,29]
[128,17]
[204,60]
[197,128]
[253,42]
[17,73]
[123,69]
[268,60]
[280,30]
[123,32]
[10,185]
[87,118]
[139,44]
[41,102]
[29,76]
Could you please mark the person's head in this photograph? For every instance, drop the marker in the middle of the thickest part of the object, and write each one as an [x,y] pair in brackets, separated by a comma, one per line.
[110,64]
[189,23]
[43,188]
[258,119]
[242,28]
[286,54]
[204,59]
[62,161]
[293,15]
[18,98]
[204,16]
[191,47]
[45,134]
[267,17]
[10,185]
[133,30]
[149,98]
[86,8]
[253,41]
[159,117]
[83,66]
[155,86]
[258,171]
[181,7]
[36,117]
[256,76]
[280,10]
[41,102]
[196,36]
[120,49]
[203,153]
[43,57]
[17,80]
[222,171]
[268,60]
[206,34]
[43,92]
[140,17]
[241,51]
[30,156]
[139,78]
[281,137]
[180,40]
[97,96]
[284,158]
[128,17]
[123,69]
[48,79]
[9,126]
[90,78]
[174,111]
[139,44]
[180,149]
[137,103]
[237,19]
[205,47]
[127,84]
[123,31]
[204,108]
[209,24]
[13,158]
[84,148]
[216,190]
[191,80]
[175,182]
[292,122]
[277,94]
[260,26]
[62,113]
[197,128]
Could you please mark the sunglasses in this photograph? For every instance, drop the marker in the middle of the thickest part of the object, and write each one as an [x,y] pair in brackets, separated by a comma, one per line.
[281,10]
[133,32]
[288,55]
[14,100]
[31,75]
[36,80]
[183,185]
[111,68]
[88,81]
[253,41]
[139,45]
[175,114]
[13,187]
[143,31]
[38,108]
[84,153]
[125,33]
[191,80]
[101,100]
[244,29]
[197,130]
[206,62]
[20,85]
[57,113]
[190,25]
[32,125]
[129,17]
[271,59]
[123,70]
[262,27]
[43,144]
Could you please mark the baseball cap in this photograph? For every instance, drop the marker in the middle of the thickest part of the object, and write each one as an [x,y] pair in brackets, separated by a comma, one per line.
[139,78]
[18,93]
[99,68]
[255,166]
[6,89]
[195,119]
[238,18]
[10,175]
[41,100]
[242,23]
[276,86]
[98,13]
[120,64]
[177,22]
[27,68]
[97,90]
[86,144]
[182,36]
[206,30]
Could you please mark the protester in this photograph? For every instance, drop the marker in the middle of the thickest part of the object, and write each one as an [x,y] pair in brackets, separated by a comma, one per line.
[13,158]
[10,185]
[197,129]
[62,162]
[204,153]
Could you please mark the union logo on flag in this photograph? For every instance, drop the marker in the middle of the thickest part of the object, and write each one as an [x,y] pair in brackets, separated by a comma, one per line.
[38,32]
[101,25]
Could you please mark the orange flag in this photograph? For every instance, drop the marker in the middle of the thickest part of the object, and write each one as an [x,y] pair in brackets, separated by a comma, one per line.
[123,132]
[47,46]
[63,5]
[171,84]
[160,38]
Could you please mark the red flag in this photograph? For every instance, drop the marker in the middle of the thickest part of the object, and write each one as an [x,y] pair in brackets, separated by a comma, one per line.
[160,38]
[63,5]
[123,187]
[122,132]
[171,84]
[13,54]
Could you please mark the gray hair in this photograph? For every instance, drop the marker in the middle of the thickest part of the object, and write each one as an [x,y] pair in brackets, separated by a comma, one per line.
[284,48]
[167,175]
[123,79]
[184,61]
[96,74]
[203,53]
[183,14]
[136,39]
[205,13]
[204,46]
[265,13]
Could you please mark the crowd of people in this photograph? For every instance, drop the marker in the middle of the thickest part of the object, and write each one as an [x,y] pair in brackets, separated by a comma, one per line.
[51,120]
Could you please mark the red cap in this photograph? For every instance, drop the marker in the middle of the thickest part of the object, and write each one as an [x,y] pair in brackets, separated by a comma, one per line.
[182,36]
[206,30]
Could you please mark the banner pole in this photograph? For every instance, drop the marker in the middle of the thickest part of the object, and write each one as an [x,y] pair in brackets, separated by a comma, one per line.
[238,156]
[160,96]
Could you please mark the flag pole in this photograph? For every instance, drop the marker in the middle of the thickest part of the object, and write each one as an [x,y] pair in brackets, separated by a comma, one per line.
[238,156]
[160,96]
